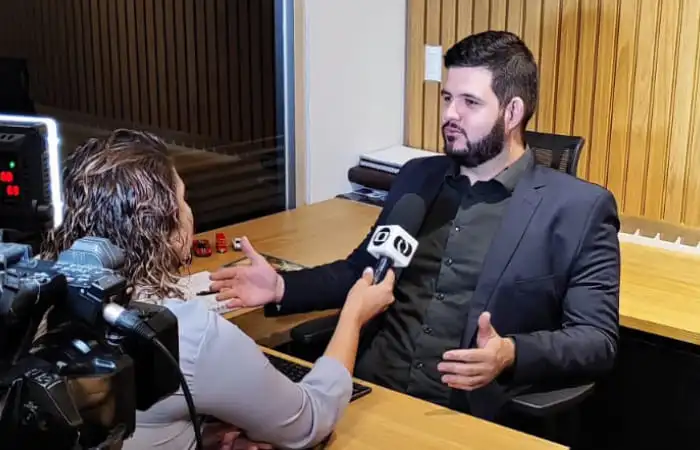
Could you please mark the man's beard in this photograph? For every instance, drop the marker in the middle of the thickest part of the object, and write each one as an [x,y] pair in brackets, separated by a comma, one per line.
[477,153]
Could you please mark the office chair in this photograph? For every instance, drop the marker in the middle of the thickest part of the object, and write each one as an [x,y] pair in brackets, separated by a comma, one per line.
[554,407]
[556,151]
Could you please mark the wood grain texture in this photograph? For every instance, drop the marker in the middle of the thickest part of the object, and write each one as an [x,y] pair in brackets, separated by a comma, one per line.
[199,68]
[621,73]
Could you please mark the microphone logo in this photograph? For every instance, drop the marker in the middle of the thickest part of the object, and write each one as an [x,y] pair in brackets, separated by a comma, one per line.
[394,243]
[381,236]
[403,246]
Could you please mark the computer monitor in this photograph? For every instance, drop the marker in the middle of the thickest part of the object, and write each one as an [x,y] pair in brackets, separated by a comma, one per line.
[31,197]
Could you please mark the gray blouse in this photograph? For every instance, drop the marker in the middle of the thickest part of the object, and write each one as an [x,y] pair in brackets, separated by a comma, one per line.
[231,379]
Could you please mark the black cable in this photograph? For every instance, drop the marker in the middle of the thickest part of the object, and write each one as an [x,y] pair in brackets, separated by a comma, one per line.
[186,391]
[128,320]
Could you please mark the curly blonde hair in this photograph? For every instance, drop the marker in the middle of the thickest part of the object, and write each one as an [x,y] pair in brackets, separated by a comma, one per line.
[123,188]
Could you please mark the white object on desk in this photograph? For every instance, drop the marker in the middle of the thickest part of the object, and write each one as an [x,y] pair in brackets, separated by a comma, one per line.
[656,241]
[391,159]
[200,282]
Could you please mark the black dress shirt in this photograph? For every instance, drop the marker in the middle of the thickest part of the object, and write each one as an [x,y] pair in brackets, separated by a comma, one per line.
[433,293]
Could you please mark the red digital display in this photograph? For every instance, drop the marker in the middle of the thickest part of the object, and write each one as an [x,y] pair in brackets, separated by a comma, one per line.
[12,190]
[7,176]
[10,171]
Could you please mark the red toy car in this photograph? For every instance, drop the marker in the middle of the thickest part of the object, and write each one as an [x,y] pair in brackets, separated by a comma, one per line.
[221,246]
[201,247]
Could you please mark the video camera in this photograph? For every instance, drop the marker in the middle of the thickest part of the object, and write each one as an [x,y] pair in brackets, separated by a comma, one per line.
[77,358]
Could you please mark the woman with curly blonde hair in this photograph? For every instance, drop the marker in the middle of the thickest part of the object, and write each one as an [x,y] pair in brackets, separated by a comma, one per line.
[125,188]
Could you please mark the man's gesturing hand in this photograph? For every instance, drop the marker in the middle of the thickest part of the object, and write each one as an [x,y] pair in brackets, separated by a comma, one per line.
[253,285]
[470,369]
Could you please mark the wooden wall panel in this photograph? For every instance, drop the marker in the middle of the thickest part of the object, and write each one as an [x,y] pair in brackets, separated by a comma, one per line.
[203,69]
[623,74]
[431,91]
[415,43]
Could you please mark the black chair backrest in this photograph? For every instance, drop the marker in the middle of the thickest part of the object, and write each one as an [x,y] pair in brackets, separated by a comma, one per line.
[557,151]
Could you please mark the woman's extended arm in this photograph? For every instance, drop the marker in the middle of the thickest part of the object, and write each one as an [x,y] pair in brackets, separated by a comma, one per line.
[234,381]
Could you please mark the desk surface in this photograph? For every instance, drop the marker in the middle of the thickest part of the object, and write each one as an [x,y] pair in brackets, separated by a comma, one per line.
[310,236]
[659,291]
[387,419]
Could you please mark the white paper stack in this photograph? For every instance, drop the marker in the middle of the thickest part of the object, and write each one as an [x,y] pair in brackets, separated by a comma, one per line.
[391,159]
[199,282]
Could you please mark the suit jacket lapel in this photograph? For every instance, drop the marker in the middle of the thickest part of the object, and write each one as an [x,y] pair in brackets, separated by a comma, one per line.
[523,204]
[430,186]
[433,182]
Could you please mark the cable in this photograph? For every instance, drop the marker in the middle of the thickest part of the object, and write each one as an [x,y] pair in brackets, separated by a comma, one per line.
[118,316]
[186,391]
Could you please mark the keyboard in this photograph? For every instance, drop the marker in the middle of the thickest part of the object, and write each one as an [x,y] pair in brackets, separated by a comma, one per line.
[296,372]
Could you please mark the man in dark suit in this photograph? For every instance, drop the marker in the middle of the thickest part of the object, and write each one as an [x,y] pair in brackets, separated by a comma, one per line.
[516,277]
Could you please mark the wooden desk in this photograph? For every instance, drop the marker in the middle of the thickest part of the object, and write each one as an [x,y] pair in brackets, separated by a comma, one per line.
[660,293]
[387,419]
[310,236]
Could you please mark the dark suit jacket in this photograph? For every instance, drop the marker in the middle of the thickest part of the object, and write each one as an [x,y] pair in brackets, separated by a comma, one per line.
[550,279]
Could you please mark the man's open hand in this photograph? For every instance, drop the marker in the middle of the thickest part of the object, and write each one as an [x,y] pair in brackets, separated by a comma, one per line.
[470,369]
[248,285]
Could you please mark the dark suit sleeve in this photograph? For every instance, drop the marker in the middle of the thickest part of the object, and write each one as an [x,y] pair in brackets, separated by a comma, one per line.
[326,286]
[586,344]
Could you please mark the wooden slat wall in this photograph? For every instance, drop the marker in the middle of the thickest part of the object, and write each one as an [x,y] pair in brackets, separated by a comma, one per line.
[203,68]
[622,73]
[13,41]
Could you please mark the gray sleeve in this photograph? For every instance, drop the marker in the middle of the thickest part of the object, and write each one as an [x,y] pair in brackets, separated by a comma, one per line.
[234,382]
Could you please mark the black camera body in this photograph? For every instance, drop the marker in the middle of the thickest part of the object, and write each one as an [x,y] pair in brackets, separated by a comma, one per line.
[78,381]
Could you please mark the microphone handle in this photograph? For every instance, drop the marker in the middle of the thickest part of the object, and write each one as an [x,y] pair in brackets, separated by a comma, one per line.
[380,270]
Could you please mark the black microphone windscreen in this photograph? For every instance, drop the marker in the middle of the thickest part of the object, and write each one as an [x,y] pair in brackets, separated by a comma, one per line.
[408,213]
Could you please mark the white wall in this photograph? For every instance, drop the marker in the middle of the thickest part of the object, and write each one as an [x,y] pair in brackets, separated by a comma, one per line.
[355,60]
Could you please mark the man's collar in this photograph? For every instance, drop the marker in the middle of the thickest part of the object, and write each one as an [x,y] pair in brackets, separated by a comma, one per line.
[509,176]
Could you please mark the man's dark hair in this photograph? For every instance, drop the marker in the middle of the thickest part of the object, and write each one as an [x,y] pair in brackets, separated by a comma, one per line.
[509,60]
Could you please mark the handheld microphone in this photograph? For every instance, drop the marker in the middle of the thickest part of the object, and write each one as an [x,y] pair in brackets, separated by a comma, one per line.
[394,244]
